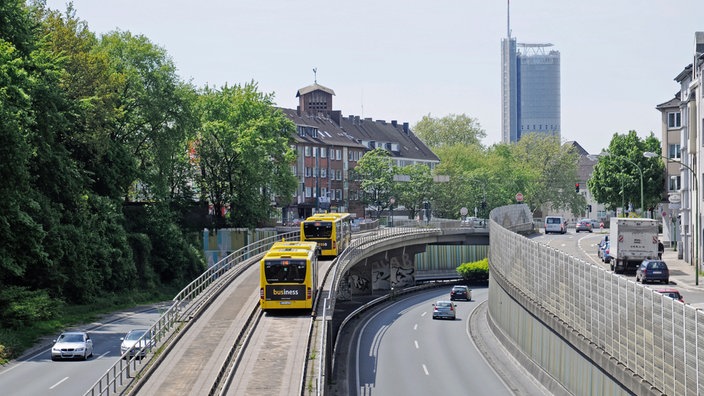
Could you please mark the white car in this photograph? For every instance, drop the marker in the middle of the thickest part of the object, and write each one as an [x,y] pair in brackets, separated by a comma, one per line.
[72,345]
[137,341]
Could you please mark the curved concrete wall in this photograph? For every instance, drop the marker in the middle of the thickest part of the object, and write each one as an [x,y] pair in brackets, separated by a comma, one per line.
[592,332]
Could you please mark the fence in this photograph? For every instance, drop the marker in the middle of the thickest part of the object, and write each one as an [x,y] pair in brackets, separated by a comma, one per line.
[187,303]
[655,337]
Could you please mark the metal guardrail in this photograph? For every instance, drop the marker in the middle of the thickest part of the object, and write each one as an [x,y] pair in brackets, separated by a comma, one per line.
[655,337]
[187,303]
[196,295]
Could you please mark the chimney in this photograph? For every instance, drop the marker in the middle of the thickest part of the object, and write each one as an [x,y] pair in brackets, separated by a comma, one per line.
[394,123]
[405,128]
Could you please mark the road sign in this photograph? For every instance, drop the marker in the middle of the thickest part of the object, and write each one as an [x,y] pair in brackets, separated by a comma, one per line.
[519,197]
[463,211]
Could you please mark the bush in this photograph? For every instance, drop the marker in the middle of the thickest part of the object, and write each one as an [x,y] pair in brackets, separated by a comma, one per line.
[20,307]
[475,271]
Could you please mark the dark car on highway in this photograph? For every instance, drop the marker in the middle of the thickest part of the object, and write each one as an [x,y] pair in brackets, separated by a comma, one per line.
[460,293]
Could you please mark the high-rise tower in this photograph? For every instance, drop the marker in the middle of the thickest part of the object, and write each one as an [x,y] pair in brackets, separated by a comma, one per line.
[530,89]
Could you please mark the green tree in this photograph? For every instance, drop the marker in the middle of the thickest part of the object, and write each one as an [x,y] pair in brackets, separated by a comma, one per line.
[153,113]
[550,173]
[417,188]
[375,173]
[616,179]
[244,152]
[21,234]
[468,180]
[449,130]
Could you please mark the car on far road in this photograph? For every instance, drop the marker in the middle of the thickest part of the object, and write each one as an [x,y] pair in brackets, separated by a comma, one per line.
[672,293]
[72,345]
[460,292]
[595,224]
[583,225]
[444,310]
[136,341]
[652,271]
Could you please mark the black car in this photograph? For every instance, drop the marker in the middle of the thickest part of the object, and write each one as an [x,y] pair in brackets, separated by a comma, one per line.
[653,270]
[461,293]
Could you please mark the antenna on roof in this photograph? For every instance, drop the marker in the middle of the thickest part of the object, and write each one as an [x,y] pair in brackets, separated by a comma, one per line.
[508,18]
[315,75]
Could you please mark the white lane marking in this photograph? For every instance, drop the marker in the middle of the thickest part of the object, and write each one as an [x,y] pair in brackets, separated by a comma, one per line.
[373,350]
[415,327]
[58,383]
[423,314]
[417,346]
[426,370]
[103,355]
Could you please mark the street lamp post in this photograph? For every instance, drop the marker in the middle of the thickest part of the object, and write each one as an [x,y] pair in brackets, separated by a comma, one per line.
[696,237]
[392,201]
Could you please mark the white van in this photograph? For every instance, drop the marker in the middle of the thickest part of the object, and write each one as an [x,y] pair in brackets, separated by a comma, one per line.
[555,224]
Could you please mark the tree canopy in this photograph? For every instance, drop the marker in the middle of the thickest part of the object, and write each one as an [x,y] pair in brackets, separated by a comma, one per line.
[616,179]
[449,130]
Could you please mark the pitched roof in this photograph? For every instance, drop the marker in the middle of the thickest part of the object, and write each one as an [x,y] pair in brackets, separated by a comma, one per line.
[314,87]
[329,133]
[381,132]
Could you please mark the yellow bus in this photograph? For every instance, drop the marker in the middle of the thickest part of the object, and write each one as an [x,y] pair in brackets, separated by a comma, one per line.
[288,276]
[332,231]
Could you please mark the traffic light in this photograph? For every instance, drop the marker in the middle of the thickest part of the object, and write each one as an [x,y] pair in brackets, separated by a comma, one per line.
[576,188]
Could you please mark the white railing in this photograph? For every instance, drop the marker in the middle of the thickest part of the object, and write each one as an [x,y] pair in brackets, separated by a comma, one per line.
[185,305]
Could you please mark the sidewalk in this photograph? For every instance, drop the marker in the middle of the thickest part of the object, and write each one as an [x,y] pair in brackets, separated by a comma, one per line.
[682,275]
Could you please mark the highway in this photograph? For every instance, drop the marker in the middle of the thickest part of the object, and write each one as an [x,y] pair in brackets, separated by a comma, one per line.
[38,375]
[398,349]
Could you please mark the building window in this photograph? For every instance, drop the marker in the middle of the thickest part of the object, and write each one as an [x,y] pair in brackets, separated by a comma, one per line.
[338,195]
[309,192]
[315,152]
[323,172]
[674,151]
[307,151]
[338,155]
[309,171]
[339,174]
[323,152]
[674,183]
[323,192]
[674,120]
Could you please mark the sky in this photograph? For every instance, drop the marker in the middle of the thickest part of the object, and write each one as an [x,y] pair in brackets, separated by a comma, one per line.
[405,59]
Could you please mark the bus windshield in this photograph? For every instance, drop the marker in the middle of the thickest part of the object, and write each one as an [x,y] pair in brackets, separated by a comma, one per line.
[317,229]
[285,271]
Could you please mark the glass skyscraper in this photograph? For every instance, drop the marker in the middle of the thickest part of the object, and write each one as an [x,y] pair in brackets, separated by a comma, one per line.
[530,90]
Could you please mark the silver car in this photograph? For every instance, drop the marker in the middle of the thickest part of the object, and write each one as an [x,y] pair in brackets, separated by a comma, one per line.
[72,345]
[136,342]
[444,310]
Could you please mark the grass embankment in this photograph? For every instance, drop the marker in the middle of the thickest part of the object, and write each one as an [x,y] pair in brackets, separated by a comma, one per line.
[15,340]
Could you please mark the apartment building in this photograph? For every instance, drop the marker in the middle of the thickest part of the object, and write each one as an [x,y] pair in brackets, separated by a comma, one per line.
[683,116]
[329,145]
